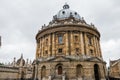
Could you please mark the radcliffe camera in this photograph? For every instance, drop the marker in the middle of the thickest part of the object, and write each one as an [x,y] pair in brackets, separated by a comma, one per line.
[66,48]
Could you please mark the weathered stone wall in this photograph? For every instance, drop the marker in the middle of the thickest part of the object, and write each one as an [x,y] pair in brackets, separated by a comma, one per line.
[115,70]
[69,69]
[9,73]
[77,40]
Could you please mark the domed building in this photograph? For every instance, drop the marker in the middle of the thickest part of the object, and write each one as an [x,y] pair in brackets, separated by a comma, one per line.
[69,49]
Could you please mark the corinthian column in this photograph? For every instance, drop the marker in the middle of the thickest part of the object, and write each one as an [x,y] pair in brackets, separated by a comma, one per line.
[82,43]
[67,44]
[72,44]
[85,44]
[95,46]
[99,48]
[41,47]
[53,44]
[49,45]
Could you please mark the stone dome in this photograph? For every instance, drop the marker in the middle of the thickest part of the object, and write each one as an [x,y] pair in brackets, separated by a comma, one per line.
[21,61]
[66,13]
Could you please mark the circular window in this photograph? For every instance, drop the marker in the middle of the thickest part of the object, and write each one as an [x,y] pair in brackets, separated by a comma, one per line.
[63,12]
[75,13]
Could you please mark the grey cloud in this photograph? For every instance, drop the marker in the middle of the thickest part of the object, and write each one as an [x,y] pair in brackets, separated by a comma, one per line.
[21,19]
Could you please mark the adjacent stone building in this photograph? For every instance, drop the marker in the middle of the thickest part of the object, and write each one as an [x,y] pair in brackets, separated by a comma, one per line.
[114,69]
[17,70]
[69,49]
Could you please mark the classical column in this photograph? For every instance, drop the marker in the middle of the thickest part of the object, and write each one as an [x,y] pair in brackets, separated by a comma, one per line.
[42,46]
[85,44]
[72,44]
[48,45]
[69,41]
[99,48]
[82,43]
[95,46]
[66,42]
[38,49]
[53,44]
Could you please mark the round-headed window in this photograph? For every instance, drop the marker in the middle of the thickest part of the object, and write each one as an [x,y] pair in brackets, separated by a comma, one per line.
[75,13]
[63,12]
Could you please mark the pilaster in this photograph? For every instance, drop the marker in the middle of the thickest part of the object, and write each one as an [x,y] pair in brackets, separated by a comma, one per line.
[95,46]
[67,44]
[53,45]
[85,44]
[72,44]
[82,43]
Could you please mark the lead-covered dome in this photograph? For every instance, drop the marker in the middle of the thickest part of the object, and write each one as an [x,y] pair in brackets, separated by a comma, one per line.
[66,13]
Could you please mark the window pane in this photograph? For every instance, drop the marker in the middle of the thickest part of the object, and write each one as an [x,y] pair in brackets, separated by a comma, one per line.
[60,50]
[60,39]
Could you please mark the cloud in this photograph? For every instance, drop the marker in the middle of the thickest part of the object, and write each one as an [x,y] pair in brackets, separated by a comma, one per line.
[20,20]
[111,49]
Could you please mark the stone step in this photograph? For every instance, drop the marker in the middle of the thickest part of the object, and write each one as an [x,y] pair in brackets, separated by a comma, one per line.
[57,78]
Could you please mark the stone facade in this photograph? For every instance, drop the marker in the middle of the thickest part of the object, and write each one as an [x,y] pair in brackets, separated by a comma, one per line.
[114,69]
[68,49]
[17,70]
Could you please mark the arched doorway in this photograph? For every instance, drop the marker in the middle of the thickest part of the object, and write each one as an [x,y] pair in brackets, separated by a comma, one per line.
[96,72]
[79,70]
[43,71]
[59,70]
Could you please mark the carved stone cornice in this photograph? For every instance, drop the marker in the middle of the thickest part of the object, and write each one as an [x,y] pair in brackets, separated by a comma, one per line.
[68,27]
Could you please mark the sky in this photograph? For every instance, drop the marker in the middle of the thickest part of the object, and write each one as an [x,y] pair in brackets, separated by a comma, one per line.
[20,21]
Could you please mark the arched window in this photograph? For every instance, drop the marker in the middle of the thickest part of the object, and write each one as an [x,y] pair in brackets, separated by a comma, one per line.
[79,70]
[43,71]
[89,40]
[91,52]
[76,38]
[96,72]
[46,42]
[77,51]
